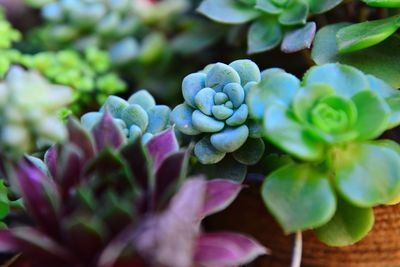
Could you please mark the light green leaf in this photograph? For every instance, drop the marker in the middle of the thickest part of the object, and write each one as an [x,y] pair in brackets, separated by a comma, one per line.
[268,7]
[228,11]
[362,35]
[383,59]
[383,3]
[264,34]
[367,174]
[372,115]
[346,80]
[285,132]
[299,38]
[349,225]
[299,196]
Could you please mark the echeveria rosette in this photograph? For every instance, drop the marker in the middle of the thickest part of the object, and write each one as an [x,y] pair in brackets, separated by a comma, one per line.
[28,111]
[104,203]
[215,109]
[271,19]
[328,122]
[137,116]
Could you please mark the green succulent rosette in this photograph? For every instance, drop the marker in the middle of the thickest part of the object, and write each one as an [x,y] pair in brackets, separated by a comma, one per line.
[216,112]
[273,21]
[28,112]
[137,116]
[328,122]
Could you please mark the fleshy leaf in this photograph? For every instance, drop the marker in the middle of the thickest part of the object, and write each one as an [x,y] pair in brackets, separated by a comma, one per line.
[4,201]
[321,6]
[264,34]
[268,7]
[107,133]
[158,118]
[373,115]
[346,80]
[227,11]
[181,116]
[230,139]
[247,70]
[227,249]
[349,225]
[81,138]
[191,85]
[284,131]
[251,152]
[362,35]
[276,87]
[206,152]
[161,146]
[299,196]
[228,168]
[295,13]
[220,75]
[299,38]
[220,194]
[143,99]
[367,174]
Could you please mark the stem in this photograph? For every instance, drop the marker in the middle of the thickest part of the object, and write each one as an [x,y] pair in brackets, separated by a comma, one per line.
[297,250]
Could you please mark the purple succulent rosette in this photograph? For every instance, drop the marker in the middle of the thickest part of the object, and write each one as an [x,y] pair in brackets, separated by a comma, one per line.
[106,203]
[138,116]
[215,109]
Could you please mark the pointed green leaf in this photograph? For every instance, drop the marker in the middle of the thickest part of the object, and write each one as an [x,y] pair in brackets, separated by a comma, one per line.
[383,3]
[362,35]
[296,13]
[321,6]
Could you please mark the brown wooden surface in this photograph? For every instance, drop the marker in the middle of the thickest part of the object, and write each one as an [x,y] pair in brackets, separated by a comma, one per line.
[381,248]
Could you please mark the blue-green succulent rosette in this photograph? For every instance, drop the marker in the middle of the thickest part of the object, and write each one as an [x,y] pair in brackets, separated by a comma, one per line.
[328,122]
[216,112]
[138,116]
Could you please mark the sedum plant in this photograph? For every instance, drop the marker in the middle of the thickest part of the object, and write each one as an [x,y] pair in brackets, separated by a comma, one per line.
[28,111]
[215,110]
[104,202]
[138,116]
[273,21]
[328,122]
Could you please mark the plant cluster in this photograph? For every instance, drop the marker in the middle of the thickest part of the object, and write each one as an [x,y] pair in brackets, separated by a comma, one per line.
[137,117]
[328,121]
[215,108]
[103,202]
[28,112]
[273,21]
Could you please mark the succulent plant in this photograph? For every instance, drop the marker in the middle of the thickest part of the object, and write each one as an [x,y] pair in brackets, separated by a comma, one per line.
[138,116]
[106,203]
[156,11]
[215,108]
[270,20]
[328,122]
[28,111]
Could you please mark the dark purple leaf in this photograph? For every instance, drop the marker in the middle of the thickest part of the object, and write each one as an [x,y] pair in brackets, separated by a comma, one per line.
[220,194]
[168,176]
[299,38]
[8,243]
[70,168]
[38,245]
[226,249]
[51,159]
[136,158]
[40,195]
[107,133]
[85,237]
[161,145]
[80,137]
